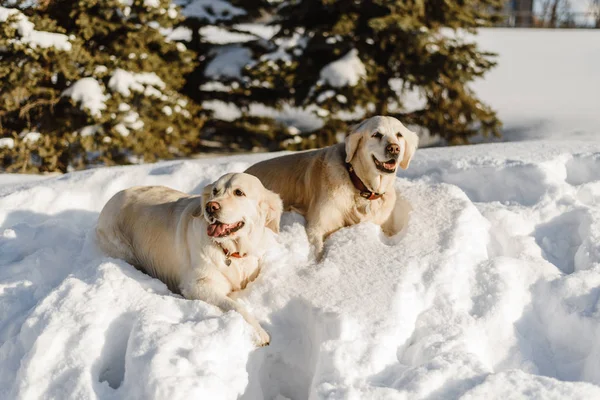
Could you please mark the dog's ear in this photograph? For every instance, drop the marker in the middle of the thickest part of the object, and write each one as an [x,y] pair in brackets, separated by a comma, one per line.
[199,210]
[412,142]
[352,143]
[272,207]
[353,140]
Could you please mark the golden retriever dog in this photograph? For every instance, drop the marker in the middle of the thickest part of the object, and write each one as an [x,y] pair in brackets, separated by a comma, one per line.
[203,247]
[343,184]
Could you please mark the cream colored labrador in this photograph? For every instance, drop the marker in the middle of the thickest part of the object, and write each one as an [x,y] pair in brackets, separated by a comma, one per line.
[204,247]
[344,184]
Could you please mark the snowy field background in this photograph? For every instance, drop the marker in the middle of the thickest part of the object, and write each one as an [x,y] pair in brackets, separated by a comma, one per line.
[546,83]
[491,291]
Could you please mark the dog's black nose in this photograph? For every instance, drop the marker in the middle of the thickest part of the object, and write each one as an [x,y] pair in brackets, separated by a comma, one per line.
[393,149]
[212,207]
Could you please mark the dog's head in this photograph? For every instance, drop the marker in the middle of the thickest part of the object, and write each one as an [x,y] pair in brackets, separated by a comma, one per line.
[382,143]
[236,204]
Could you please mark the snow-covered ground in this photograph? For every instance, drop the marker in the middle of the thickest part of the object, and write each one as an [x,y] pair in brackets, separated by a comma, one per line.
[491,291]
[546,84]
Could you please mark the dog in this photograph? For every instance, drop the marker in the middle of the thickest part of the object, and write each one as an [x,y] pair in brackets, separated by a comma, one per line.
[343,184]
[202,247]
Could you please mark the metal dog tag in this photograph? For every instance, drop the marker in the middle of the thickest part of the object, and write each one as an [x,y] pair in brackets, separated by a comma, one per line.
[228,261]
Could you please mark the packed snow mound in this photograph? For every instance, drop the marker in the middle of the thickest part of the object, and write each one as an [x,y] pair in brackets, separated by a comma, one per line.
[492,290]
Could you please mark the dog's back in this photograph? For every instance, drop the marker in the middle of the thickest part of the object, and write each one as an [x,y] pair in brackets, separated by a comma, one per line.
[137,225]
[297,177]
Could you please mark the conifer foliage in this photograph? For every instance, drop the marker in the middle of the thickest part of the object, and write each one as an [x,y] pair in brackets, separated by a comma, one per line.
[100,82]
[409,59]
[88,82]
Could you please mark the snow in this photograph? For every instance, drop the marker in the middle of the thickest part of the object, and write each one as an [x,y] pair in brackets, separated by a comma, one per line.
[347,71]
[100,69]
[90,95]
[325,96]
[146,3]
[305,119]
[242,33]
[295,43]
[222,110]
[168,111]
[124,82]
[91,130]
[32,37]
[31,137]
[214,86]
[260,30]
[122,130]
[209,10]
[132,120]
[216,35]
[179,33]
[412,99]
[7,143]
[228,62]
[546,83]
[490,291]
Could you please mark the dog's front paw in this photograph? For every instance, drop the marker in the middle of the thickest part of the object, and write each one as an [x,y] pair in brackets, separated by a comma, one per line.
[317,250]
[319,255]
[261,338]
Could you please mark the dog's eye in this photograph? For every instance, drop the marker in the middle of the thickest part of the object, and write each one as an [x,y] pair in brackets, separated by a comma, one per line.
[238,192]
[377,135]
[215,191]
[398,135]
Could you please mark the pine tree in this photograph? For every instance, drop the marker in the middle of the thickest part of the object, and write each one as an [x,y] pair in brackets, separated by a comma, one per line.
[227,37]
[102,88]
[408,59]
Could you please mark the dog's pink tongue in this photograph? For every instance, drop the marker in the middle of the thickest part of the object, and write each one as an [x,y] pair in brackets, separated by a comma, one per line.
[213,229]
[390,164]
[218,229]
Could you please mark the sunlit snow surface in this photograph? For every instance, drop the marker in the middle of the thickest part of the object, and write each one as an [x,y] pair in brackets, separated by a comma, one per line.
[491,291]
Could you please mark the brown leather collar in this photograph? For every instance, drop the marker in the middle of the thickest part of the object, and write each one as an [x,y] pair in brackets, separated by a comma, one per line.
[360,186]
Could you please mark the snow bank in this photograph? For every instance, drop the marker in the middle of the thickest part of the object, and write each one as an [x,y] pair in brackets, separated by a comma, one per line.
[491,290]
[90,95]
[32,37]
[347,71]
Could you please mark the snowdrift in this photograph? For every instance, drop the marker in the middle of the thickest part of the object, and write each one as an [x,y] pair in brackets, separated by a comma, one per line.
[491,291]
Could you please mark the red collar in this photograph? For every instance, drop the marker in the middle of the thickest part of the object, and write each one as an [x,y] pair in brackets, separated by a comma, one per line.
[234,255]
[228,255]
[360,186]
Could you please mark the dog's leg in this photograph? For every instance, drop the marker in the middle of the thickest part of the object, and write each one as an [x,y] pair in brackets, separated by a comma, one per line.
[397,217]
[315,237]
[326,220]
[204,291]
